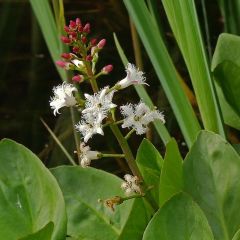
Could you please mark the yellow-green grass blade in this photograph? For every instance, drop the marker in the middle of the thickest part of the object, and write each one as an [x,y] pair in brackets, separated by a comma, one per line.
[231,14]
[44,15]
[164,68]
[142,93]
[64,150]
[183,19]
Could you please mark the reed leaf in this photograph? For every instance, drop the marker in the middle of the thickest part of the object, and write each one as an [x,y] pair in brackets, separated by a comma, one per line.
[183,19]
[164,68]
[44,15]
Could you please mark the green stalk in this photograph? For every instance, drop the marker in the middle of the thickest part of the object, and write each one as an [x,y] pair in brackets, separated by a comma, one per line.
[126,150]
[183,20]
[164,68]
[111,155]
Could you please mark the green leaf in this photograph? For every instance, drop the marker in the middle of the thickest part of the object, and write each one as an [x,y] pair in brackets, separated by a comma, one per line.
[29,195]
[171,181]
[44,15]
[90,219]
[164,68]
[230,117]
[179,219]
[226,68]
[183,20]
[237,235]
[150,162]
[227,75]
[211,173]
[43,234]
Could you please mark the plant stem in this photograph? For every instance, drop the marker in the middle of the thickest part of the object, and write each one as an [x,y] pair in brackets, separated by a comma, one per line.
[126,150]
[76,139]
[114,155]
[129,134]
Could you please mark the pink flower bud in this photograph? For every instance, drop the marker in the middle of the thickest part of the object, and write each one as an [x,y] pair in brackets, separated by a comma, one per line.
[73,35]
[86,28]
[78,22]
[107,69]
[75,50]
[84,39]
[93,41]
[61,64]
[65,39]
[72,24]
[102,43]
[66,29]
[64,65]
[80,29]
[89,58]
[66,55]
[78,78]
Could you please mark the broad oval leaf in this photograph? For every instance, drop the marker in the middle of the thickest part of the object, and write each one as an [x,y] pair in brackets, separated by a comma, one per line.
[150,162]
[226,68]
[179,219]
[29,195]
[90,219]
[211,173]
[171,181]
[43,234]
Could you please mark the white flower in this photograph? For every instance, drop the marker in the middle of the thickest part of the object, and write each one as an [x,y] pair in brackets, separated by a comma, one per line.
[138,116]
[86,155]
[63,96]
[89,127]
[131,184]
[134,76]
[77,63]
[98,104]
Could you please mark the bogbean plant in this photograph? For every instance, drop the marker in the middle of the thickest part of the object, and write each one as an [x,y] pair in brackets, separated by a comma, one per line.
[162,198]
[97,108]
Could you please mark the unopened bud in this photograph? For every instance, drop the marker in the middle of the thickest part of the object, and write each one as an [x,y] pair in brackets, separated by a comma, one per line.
[84,39]
[101,44]
[65,39]
[75,50]
[89,58]
[107,69]
[78,22]
[66,29]
[93,41]
[86,28]
[64,65]
[78,78]
[72,24]
[66,55]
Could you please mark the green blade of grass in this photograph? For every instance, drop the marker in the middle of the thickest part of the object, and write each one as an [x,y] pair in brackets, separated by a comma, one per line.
[59,143]
[183,19]
[142,93]
[231,14]
[164,68]
[44,15]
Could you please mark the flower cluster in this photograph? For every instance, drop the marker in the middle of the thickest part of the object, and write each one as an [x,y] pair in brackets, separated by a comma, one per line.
[86,155]
[84,55]
[131,184]
[97,109]
[138,116]
[63,97]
